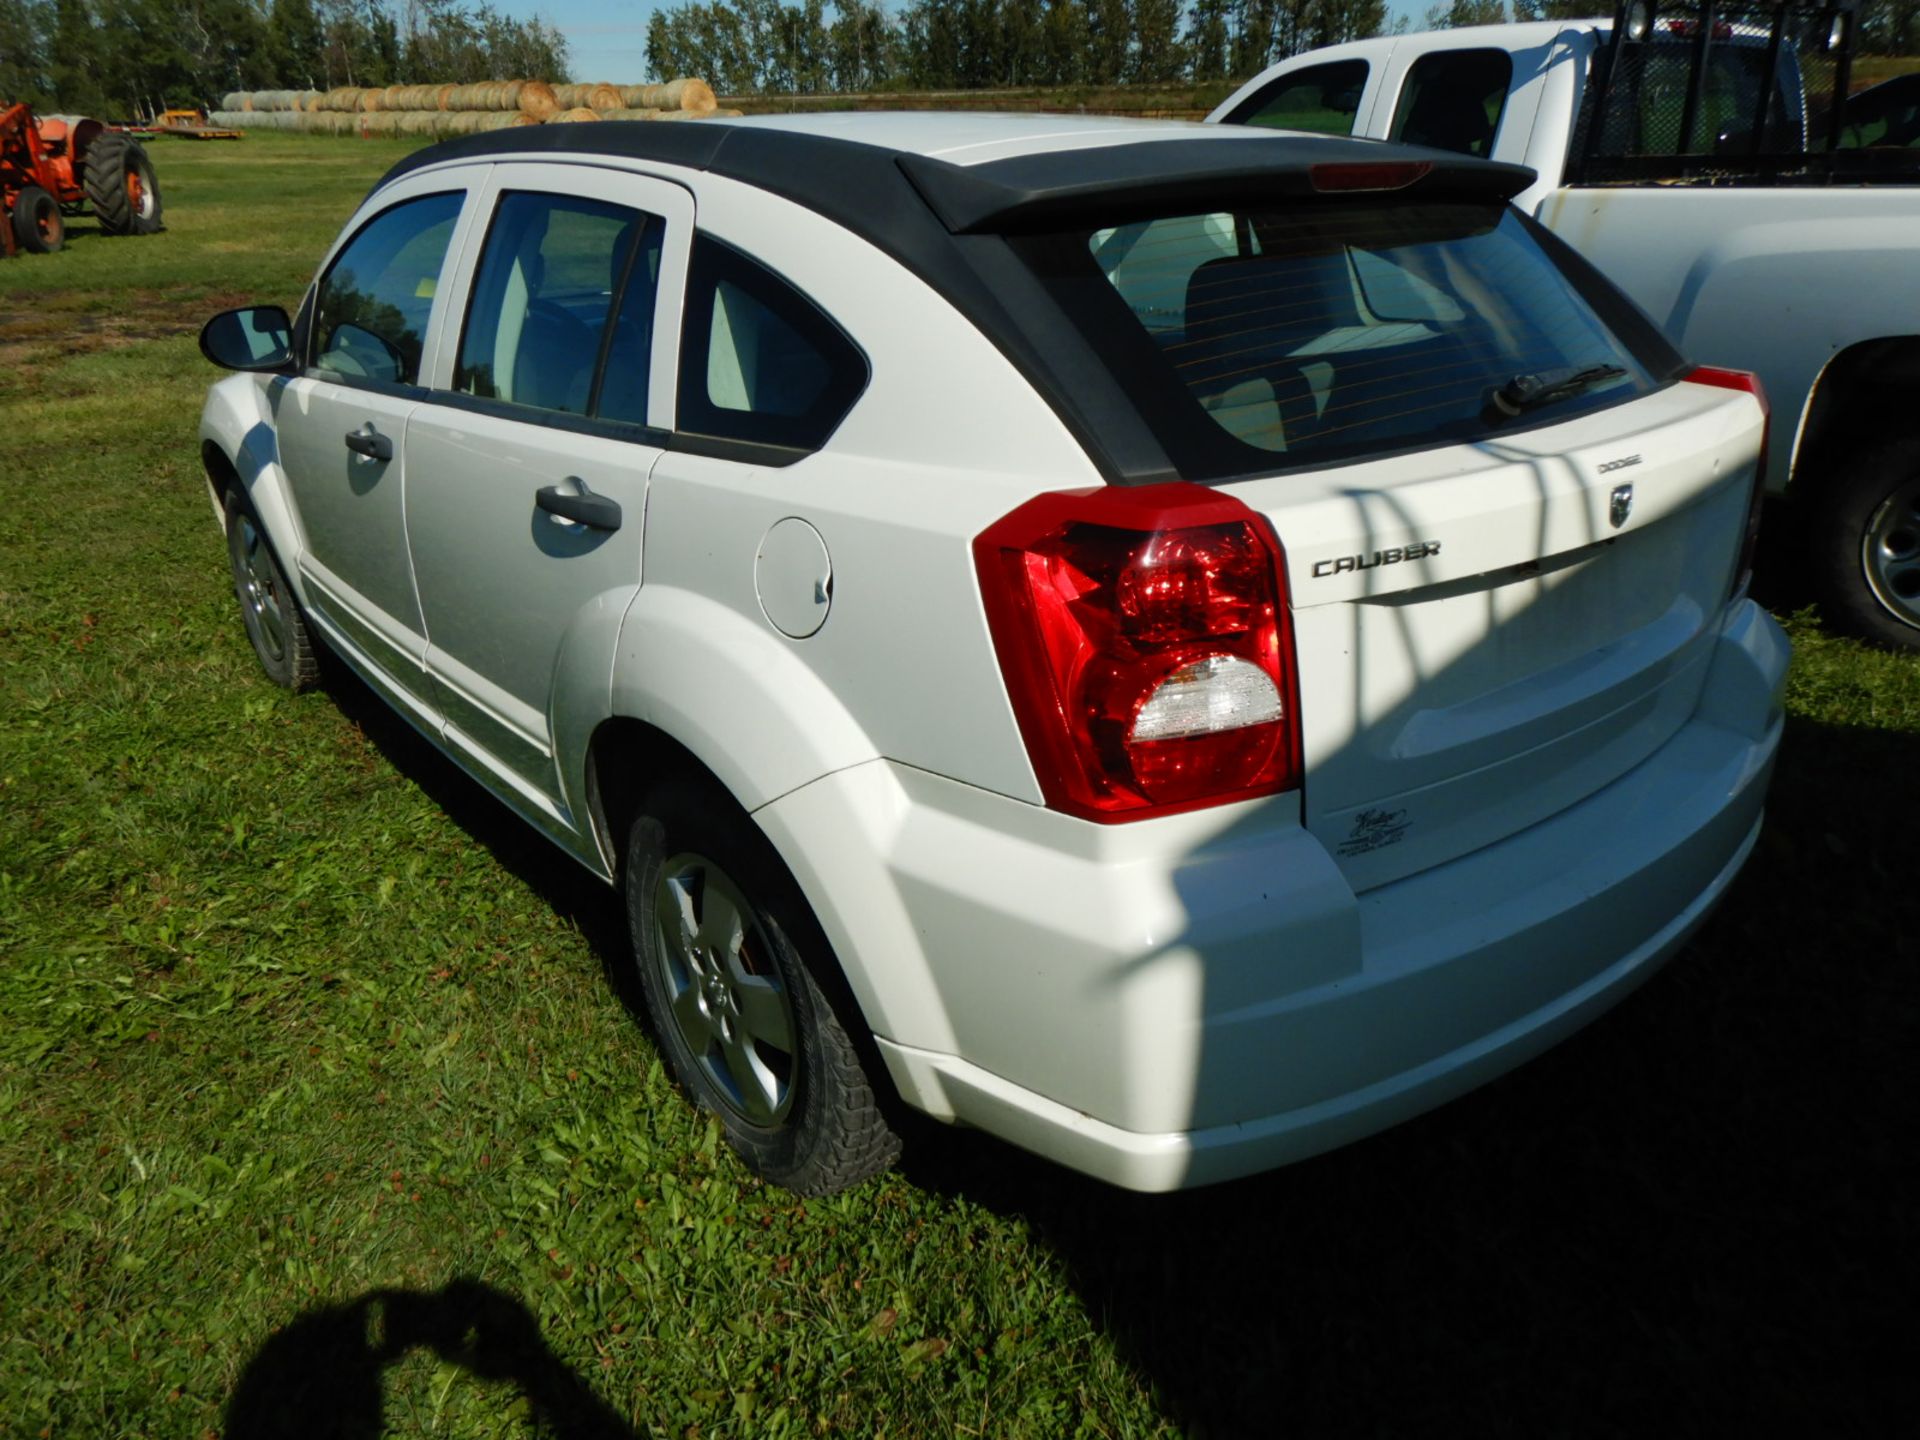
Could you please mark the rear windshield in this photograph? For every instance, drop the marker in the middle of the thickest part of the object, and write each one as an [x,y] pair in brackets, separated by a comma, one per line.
[1262,340]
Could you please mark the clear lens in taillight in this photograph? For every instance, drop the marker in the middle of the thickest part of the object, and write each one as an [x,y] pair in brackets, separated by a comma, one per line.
[1749,542]
[1144,638]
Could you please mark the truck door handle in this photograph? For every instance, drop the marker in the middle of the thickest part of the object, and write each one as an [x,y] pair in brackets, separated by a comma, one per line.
[369,442]
[584,507]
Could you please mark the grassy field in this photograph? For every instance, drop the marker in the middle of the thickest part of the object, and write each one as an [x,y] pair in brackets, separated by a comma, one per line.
[321,1096]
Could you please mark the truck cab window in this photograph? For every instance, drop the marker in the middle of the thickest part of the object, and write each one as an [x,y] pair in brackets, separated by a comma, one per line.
[1452,101]
[1323,99]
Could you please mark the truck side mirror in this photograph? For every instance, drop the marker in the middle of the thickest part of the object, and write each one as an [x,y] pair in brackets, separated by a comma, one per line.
[257,338]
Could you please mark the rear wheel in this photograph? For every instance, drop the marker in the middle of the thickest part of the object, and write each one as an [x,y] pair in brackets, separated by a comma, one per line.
[272,616]
[121,187]
[36,221]
[1868,555]
[746,1026]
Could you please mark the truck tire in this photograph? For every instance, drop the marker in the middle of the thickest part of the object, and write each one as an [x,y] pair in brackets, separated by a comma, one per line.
[1867,553]
[36,221]
[736,980]
[121,187]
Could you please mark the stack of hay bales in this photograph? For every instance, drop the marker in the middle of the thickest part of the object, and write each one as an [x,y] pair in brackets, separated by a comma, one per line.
[437,110]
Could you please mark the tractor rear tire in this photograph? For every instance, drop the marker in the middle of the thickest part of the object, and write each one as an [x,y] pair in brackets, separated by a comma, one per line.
[121,187]
[36,221]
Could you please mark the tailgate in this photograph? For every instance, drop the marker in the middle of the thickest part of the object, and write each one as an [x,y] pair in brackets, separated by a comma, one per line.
[1484,638]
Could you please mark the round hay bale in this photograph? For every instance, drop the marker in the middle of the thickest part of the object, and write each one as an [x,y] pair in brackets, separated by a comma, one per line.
[605,97]
[537,99]
[630,114]
[570,97]
[715,114]
[371,101]
[441,94]
[234,100]
[577,116]
[686,93]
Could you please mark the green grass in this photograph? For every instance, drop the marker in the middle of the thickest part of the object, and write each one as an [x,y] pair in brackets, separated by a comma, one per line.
[305,1041]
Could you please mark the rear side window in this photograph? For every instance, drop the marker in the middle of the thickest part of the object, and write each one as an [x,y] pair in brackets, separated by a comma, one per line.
[1337,330]
[759,362]
[1452,100]
[370,315]
[1323,99]
[554,270]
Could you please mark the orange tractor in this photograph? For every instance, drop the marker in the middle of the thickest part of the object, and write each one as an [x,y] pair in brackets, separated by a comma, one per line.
[55,165]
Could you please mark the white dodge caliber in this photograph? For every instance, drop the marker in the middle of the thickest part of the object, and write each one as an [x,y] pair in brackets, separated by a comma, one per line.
[1179,647]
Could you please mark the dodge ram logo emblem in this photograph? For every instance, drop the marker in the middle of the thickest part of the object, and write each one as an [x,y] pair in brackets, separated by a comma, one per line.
[1622,505]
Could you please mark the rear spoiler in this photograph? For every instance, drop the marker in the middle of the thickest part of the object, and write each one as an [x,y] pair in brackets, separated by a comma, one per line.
[1113,182]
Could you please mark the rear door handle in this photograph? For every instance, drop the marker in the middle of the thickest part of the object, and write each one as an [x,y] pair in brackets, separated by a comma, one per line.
[583,507]
[369,442]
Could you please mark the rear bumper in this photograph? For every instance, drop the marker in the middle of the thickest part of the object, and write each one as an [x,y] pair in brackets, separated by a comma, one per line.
[1184,1001]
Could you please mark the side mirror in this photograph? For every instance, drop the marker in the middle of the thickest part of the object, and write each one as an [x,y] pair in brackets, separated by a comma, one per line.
[258,338]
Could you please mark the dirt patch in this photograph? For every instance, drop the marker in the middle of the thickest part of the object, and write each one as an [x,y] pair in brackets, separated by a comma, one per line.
[62,322]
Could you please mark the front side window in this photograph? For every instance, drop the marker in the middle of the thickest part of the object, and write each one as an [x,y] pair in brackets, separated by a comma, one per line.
[1452,100]
[760,362]
[1261,339]
[1321,99]
[562,307]
[372,307]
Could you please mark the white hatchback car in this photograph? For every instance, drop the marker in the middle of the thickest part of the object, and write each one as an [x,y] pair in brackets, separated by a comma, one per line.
[1180,647]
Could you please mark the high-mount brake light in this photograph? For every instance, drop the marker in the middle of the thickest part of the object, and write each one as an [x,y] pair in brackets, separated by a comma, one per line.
[1368,175]
[1147,648]
[1749,541]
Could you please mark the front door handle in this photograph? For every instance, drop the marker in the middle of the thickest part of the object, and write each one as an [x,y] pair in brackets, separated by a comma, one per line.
[369,442]
[583,507]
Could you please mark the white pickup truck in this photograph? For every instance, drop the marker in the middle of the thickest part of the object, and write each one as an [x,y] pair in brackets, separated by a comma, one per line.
[1773,228]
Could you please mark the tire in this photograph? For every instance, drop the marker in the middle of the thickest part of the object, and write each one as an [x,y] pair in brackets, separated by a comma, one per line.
[741,1014]
[121,186]
[281,640]
[1867,550]
[36,221]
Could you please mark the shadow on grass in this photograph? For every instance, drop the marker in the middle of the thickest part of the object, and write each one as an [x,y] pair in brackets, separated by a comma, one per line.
[1698,1214]
[569,890]
[320,1376]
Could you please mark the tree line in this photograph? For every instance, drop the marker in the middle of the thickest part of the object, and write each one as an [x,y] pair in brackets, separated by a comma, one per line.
[119,58]
[122,57]
[769,47]
[764,46]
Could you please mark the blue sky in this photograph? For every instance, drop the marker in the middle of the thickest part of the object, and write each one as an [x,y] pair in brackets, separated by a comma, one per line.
[607,39]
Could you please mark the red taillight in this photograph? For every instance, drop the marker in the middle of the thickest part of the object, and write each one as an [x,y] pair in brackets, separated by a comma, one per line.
[1744,380]
[1144,637]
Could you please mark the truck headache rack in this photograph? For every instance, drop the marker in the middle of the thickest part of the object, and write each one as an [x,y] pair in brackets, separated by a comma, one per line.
[1732,94]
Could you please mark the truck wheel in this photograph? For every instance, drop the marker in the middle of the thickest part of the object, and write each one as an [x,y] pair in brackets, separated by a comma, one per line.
[36,221]
[1868,555]
[121,187]
[746,1028]
[272,616]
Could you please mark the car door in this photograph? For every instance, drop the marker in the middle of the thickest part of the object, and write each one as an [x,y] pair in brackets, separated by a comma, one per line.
[341,427]
[527,468]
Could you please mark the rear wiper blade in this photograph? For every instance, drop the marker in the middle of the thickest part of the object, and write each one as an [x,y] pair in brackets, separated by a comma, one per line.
[1525,392]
